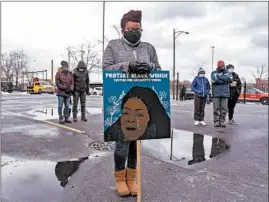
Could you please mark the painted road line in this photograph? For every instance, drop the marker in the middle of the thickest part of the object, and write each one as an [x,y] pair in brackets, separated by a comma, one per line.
[44,121]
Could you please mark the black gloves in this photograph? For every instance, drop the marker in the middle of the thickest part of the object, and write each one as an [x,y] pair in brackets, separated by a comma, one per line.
[140,68]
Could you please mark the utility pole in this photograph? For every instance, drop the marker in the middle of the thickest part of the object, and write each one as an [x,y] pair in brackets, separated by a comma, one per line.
[212,57]
[174,57]
[52,77]
[174,62]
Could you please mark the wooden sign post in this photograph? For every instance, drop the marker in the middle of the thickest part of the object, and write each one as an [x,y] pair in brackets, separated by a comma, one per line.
[138,170]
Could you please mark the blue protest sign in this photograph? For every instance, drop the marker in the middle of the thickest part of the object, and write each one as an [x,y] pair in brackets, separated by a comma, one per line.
[136,107]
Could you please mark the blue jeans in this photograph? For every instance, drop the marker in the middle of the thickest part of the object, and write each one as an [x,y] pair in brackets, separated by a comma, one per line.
[66,102]
[122,150]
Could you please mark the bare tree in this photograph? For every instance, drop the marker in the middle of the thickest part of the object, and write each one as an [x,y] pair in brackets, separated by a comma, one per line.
[19,65]
[261,72]
[117,29]
[85,52]
[7,60]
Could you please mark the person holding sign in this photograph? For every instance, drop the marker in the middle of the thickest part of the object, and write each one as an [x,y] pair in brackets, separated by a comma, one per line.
[129,55]
[235,90]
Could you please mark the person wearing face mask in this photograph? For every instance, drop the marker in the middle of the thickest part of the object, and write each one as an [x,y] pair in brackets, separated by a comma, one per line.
[201,87]
[130,55]
[81,89]
[65,86]
[220,79]
[235,90]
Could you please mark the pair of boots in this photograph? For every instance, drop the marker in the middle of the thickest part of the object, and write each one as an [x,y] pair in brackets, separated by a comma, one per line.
[126,182]
[83,118]
[64,120]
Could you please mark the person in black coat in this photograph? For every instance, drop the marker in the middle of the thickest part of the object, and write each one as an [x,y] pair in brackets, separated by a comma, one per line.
[235,90]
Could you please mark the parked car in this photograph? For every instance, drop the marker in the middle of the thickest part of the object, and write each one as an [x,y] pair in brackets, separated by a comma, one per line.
[254,95]
[97,91]
[6,86]
[189,95]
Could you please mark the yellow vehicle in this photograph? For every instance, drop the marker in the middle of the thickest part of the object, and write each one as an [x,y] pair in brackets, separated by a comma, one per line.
[39,87]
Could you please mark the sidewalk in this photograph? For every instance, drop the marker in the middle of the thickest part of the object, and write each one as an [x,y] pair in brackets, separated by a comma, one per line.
[161,182]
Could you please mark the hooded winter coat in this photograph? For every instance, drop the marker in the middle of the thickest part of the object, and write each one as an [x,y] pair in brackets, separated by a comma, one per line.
[235,91]
[81,78]
[200,85]
[64,82]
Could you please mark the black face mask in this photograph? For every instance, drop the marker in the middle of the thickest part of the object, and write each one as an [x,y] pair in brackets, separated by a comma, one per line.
[132,36]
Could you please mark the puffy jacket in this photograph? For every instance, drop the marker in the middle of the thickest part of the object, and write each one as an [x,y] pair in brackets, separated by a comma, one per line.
[220,83]
[81,80]
[201,86]
[64,81]
[235,91]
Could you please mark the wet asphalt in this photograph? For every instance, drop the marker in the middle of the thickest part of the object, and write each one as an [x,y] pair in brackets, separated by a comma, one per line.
[43,162]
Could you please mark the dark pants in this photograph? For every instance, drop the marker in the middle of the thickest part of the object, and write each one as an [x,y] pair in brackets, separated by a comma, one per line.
[82,97]
[199,108]
[122,150]
[231,105]
[63,101]
[220,108]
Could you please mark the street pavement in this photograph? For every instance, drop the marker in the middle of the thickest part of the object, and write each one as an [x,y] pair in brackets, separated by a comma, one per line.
[43,161]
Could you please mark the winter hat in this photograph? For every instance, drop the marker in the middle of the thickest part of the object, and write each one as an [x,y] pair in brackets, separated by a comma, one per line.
[201,71]
[132,15]
[220,63]
[63,63]
[230,66]
[82,65]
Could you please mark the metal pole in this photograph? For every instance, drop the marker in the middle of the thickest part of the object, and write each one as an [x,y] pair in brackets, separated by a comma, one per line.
[104,9]
[177,86]
[212,58]
[245,90]
[52,72]
[174,63]
[46,75]
[104,5]
[171,151]
[69,57]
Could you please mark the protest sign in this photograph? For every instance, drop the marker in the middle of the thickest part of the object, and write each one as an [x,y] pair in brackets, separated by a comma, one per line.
[136,106]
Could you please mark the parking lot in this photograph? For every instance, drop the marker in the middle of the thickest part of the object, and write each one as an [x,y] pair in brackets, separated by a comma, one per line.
[38,155]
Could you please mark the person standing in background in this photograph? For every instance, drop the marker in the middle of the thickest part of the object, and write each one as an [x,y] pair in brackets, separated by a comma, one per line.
[65,85]
[81,89]
[235,90]
[201,87]
[220,79]
[183,93]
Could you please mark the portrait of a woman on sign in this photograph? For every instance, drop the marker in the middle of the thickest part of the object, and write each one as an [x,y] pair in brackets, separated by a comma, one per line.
[142,117]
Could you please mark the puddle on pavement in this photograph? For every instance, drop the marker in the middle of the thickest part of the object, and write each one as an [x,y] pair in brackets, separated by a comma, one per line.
[52,113]
[42,181]
[188,148]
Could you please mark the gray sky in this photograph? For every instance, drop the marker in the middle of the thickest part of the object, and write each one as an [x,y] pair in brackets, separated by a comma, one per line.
[238,30]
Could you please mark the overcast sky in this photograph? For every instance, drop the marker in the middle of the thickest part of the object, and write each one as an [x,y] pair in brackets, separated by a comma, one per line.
[238,30]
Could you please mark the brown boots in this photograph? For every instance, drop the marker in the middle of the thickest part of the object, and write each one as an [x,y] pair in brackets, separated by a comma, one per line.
[125,182]
[131,181]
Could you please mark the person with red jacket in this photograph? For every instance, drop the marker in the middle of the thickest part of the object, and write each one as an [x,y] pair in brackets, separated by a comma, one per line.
[65,86]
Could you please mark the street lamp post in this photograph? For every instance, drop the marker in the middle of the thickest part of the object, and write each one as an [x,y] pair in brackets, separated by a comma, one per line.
[175,35]
[213,48]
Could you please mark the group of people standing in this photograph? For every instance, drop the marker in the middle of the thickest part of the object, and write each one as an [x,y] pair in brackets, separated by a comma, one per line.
[130,55]
[226,89]
[76,84]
